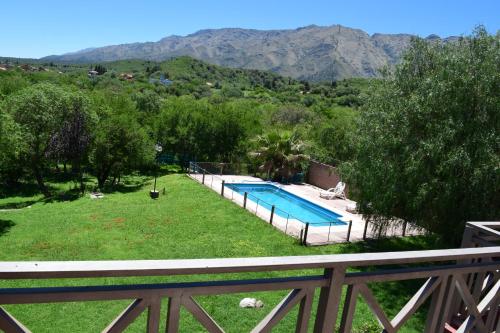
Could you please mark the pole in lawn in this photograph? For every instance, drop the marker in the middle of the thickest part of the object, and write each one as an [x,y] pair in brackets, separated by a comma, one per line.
[154,193]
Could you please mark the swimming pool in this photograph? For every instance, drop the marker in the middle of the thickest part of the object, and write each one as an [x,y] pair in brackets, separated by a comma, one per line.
[286,202]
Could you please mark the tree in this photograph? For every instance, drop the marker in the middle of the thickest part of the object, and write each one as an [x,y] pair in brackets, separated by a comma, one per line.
[100,69]
[39,111]
[231,92]
[333,140]
[147,101]
[279,154]
[71,143]
[199,130]
[53,124]
[429,145]
[121,143]
[291,115]
[11,148]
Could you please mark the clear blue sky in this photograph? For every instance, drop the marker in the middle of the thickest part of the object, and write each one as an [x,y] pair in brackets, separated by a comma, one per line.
[38,28]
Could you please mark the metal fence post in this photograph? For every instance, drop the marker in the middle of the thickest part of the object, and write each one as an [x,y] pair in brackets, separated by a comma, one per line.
[404,228]
[245,196]
[349,230]
[272,215]
[203,178]
[304,241]
[364,231]
[222,188]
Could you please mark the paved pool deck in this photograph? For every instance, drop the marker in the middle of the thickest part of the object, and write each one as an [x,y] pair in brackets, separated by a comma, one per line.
[316,235]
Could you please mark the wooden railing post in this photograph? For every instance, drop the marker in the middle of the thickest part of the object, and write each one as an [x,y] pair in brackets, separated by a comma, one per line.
[203,178]
[245,197]
[349,309]
[304,312]
[272,215]
[222,188]
[173,314]
[457,303]
[434,318]
[329,300]
[153,325]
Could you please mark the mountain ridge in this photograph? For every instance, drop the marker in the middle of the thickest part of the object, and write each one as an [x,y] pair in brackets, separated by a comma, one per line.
[312,52]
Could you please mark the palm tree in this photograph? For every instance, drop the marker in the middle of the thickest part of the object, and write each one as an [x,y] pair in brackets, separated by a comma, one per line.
[279,154]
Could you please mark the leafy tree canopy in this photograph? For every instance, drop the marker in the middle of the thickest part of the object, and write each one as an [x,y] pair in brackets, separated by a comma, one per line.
[429,145]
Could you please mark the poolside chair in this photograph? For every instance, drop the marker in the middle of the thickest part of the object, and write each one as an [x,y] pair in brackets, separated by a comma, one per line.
[334,192]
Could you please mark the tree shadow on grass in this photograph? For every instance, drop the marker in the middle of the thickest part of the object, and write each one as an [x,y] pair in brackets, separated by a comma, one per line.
[60,177]
[17,205]
[128,184]
[69,195]
[390,244]
[20,190]
[5,225]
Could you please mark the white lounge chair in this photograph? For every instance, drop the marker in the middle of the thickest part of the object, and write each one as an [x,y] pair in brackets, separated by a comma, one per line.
[334,192]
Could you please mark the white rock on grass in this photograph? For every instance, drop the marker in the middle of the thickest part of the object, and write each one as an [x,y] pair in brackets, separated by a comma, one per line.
[251,303]
[96,195]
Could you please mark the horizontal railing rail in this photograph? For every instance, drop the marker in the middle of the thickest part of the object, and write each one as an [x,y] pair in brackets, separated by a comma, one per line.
[445,271]
[129,268]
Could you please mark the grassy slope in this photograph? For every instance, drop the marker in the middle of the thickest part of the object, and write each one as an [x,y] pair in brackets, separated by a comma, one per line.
[190,221]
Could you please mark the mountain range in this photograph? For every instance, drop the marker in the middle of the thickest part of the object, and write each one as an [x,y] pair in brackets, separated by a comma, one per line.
[312,53]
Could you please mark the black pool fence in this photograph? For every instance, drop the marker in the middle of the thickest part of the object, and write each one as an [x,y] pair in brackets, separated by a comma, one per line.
[275,216]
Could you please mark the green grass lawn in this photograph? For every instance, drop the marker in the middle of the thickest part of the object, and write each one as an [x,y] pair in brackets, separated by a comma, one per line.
[189,221]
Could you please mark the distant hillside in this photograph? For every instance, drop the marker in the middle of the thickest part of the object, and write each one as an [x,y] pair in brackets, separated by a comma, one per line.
[310,53]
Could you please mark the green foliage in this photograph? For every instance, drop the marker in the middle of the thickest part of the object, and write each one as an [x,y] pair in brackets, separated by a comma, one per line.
[429,147]
[100,69]
[11,149]
[279,154]
[39,110]
[290,115]
[10,82]
[147,101]
[208,112]
[198,130]
[333,140]
[232,92]
[121,144]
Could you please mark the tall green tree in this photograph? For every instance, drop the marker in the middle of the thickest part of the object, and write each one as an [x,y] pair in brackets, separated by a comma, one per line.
[200,130]
[72,142]
[39,111]
[121,143]
[332,139]
[429,144]
[11,149]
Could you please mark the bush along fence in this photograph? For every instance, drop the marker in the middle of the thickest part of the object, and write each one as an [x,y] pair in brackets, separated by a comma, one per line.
[306,232]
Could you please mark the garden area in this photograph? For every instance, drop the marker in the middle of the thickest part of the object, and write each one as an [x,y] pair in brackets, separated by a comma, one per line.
[188,221]
[418,145]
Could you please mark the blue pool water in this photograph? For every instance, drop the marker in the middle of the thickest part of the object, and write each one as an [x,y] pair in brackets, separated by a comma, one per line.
[286,202]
